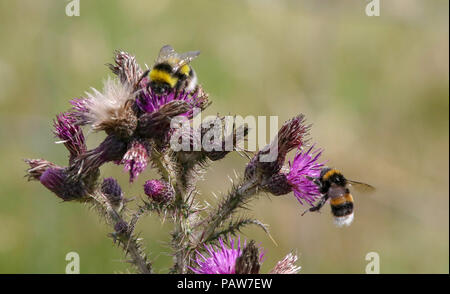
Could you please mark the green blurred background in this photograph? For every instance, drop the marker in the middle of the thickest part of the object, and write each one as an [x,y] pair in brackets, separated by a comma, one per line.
[375,89]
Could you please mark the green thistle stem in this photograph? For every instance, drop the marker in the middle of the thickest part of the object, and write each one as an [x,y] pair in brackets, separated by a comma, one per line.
[128,242]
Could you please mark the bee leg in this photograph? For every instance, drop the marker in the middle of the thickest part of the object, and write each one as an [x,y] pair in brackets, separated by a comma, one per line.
[318,206]
[315,181]
[141,77]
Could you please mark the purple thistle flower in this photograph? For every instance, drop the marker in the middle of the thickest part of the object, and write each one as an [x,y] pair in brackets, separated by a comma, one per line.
[135,159]
[80,110]
[302,169]
[221,259]
[70,134]
[159,191]
[150,102]
[80,105]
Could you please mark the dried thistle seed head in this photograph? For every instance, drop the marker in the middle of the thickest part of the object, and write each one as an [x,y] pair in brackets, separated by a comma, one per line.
[126,68]
[286,265]
[37,168]
[248,262]
[136,158]
[291,135]
[159,191]
[70,134]
[112,190]
[57,181]
[112,110]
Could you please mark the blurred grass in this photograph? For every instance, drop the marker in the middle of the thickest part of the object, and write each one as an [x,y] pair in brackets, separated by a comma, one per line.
[375,88]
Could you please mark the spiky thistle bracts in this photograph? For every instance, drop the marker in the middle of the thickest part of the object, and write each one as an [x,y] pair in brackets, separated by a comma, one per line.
[270,159]
[37,168]
[70,134]
[57,180]
[112,190]
[126,68]
[159,191]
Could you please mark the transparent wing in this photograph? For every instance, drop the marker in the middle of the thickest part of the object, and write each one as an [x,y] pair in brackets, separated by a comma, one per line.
[188,56]
[361,187]
[168,54]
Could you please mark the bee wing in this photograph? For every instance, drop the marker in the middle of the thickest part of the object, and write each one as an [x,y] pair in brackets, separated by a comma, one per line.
[185,58]
[165,53]
[361,187]
[168,54]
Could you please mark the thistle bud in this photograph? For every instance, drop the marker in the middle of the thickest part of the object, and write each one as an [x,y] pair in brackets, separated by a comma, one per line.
[111,189]
[121,227]
[70,134]
[248,262]
[126,68]
[57,181]
[159,191]
[111,149]
[37,168]
[277,185]
[291,135]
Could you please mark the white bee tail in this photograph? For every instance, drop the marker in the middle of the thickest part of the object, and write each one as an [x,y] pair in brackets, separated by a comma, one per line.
[344,220]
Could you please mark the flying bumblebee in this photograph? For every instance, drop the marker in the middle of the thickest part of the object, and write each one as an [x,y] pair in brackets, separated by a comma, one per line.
[172,72]
[334,186]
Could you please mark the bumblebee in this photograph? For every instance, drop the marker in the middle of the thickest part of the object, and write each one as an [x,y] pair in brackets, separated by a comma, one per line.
[334,186]
[172,72]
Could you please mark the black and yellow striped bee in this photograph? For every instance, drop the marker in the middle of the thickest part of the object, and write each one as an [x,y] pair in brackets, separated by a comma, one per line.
[334,186]
[172,72]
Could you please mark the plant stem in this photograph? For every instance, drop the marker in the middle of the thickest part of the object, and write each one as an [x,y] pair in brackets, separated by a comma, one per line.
[237,197]
[128,242]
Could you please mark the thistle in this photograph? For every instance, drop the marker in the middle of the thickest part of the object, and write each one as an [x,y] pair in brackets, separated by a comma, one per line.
[136,122]
[159,191]
[226,259]
[238,258]
[298,177]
